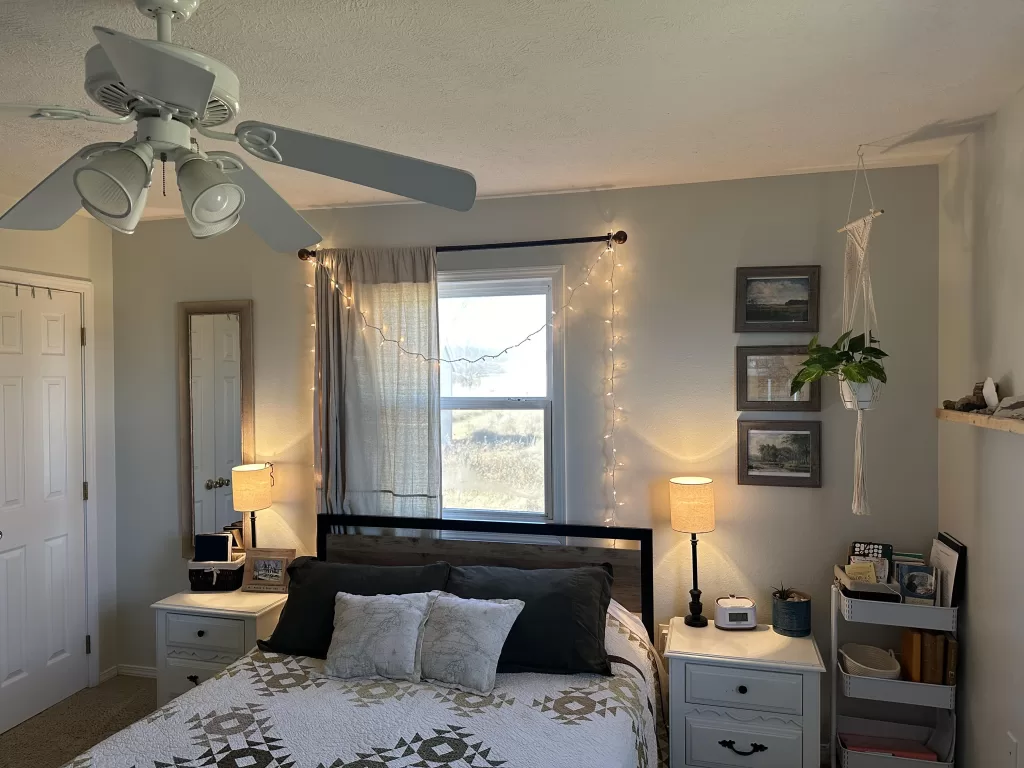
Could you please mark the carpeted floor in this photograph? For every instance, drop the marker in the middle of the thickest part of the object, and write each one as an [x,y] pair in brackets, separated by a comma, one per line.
[65,730]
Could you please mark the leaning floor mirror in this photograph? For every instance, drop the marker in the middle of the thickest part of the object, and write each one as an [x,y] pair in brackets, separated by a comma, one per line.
[215,411]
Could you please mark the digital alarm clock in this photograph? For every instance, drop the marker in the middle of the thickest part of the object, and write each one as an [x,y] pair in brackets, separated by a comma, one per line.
[735,613]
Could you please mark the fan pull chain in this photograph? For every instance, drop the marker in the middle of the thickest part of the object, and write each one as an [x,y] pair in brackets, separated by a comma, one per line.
[163,160]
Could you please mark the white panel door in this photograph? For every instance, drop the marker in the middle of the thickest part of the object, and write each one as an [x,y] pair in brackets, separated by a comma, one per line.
[227,410]
[42,512]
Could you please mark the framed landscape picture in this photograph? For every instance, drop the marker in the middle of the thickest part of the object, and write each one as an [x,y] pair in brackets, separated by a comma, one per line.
[763,378]
[786,453]
[777,299]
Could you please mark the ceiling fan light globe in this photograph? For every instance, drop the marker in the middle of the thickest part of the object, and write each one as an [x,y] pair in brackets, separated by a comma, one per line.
[208,196]
[125,225]
[112,183]
[201,231]
[218,203]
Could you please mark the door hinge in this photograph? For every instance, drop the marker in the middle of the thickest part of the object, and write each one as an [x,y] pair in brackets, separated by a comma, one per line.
[83,337]
[88,644]
[85,491]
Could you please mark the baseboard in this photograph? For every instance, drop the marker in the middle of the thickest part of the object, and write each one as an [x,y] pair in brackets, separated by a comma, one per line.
[108,674]
[134,670]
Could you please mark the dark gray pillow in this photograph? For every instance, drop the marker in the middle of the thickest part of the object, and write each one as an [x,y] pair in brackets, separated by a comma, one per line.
[307,620]
[561,627]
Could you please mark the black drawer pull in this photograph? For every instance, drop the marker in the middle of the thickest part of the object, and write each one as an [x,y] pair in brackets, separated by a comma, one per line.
[730,744]
[742,689]
[201,633]
[194,679]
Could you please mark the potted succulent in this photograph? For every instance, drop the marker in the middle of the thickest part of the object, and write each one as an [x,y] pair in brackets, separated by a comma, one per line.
[791,612]
[854,360]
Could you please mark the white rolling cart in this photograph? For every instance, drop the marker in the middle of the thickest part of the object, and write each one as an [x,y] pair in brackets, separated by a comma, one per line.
[897,691]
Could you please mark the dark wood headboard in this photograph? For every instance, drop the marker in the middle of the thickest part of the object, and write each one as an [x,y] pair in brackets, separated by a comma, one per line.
[336,540]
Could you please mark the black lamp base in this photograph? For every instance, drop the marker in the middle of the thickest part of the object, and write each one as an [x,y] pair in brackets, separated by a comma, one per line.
[694,618]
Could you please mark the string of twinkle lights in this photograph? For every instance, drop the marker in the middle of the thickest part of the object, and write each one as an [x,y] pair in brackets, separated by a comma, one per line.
[614,412]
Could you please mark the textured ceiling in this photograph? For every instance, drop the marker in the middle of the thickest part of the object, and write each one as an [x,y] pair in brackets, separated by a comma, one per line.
[546,95]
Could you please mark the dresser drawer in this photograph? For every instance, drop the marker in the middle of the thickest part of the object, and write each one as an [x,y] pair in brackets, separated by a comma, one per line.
[206,632]
[744,689]
[181,676]
[712,742]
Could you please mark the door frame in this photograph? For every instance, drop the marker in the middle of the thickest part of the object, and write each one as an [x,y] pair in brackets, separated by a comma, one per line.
[84,288]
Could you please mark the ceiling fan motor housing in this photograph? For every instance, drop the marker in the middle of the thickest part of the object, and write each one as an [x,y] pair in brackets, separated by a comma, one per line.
[103,85]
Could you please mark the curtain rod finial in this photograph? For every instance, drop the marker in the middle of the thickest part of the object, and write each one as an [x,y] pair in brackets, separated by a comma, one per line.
[619,237]
[306,255]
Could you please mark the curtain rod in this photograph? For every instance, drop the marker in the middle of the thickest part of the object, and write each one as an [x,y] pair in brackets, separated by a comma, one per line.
[612,237]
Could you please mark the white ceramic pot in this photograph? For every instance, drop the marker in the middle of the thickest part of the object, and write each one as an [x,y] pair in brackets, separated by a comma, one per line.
[859,396]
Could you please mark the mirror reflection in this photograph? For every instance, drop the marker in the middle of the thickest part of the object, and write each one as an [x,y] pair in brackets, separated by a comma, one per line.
[215,393]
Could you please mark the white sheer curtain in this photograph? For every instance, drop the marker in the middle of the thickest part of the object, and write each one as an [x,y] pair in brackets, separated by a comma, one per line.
[377,411]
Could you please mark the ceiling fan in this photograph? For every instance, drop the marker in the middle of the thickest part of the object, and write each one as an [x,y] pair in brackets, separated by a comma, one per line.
[169,91]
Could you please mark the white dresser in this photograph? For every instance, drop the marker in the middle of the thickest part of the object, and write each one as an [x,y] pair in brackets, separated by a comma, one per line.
[200,633]
[743,698]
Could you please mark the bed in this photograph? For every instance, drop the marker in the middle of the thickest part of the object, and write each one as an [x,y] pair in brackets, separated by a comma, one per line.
[269,710]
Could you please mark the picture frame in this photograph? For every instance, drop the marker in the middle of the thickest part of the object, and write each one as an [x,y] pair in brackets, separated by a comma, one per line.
[774,299]
[266,570]
[779,453]
[764,375]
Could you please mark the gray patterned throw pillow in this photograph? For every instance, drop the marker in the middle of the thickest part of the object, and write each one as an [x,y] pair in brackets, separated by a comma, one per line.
[462,640]
[379,635]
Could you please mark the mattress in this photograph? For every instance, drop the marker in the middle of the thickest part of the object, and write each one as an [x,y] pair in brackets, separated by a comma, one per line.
[274,711]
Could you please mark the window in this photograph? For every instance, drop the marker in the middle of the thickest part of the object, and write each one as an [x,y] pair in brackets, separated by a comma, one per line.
[502,423]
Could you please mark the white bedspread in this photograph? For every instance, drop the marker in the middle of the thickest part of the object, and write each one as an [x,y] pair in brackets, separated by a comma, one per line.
[273,711]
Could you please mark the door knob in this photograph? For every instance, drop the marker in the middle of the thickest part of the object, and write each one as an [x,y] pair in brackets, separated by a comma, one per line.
[210,484]
[223,482]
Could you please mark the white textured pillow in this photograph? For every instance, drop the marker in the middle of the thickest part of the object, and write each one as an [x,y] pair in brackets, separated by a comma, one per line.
[463,638]
[379,635]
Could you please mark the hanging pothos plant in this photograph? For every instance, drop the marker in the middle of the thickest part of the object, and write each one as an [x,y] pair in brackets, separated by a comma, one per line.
[854,359]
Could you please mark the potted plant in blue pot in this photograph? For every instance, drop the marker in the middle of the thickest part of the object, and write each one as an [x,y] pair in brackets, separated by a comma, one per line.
[791,612]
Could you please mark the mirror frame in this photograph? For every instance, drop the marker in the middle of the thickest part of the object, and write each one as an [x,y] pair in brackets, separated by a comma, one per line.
[242,308]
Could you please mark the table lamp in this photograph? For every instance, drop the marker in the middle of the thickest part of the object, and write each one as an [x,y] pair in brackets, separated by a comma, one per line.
[250,490]
[692,501]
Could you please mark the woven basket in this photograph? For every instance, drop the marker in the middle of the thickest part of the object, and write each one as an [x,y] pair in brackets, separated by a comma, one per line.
[868,661]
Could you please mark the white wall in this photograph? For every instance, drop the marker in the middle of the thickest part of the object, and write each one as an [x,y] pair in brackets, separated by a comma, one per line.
[82,249]
[981,322]
[677,296]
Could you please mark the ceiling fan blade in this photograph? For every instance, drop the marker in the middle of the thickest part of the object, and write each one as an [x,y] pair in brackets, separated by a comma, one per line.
[146,69]
[400,175]
[265,211]
[49,111]
[54,200]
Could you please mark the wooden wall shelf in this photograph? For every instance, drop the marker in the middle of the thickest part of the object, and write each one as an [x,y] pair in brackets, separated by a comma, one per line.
[980,420]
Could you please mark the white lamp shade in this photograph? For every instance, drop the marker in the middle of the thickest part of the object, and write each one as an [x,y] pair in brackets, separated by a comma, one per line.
[208,196]
[250,487]
[112,183]
[692,501]
[126,225]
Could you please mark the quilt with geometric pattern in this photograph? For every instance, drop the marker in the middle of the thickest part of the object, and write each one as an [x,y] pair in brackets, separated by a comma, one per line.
[269,710]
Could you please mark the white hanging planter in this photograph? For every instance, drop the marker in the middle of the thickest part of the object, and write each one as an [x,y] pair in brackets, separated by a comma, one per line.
[859,396]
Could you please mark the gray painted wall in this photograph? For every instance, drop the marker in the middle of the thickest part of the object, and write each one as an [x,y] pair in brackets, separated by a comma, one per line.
[82,249]
[677,299]
[981,320]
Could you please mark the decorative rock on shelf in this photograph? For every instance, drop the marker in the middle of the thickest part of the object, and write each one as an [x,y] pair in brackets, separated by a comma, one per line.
[990,392]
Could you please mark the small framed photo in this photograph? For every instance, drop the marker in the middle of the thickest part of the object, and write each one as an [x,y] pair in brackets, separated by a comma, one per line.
[777,299]
[764,376]
[780,453]
[266,570]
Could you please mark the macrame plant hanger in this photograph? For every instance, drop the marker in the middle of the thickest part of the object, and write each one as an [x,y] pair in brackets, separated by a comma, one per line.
[859,302]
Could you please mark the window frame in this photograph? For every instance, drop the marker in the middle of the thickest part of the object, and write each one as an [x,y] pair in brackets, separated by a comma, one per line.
[513,281]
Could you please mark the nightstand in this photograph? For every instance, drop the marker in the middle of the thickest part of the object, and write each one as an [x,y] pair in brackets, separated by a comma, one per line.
[200,633]
[743,698]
